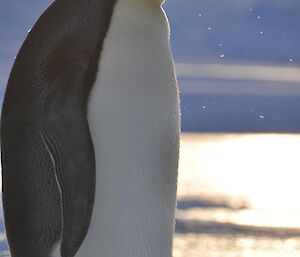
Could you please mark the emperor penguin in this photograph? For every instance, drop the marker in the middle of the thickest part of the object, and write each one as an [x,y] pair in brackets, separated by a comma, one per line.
[90,133]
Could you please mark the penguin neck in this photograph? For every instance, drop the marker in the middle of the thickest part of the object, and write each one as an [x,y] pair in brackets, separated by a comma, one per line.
[134,127]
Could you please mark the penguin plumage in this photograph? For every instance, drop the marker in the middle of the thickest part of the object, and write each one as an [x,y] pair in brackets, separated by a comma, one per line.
[74,143]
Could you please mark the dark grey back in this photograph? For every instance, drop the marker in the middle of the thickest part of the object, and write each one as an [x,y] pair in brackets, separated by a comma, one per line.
[47,153]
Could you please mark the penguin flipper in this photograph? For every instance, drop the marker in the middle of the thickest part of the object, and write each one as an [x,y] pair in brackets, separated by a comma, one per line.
[43,116]
[67,138]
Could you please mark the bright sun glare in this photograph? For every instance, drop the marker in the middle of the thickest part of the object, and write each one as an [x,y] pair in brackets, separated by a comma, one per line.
[263,169]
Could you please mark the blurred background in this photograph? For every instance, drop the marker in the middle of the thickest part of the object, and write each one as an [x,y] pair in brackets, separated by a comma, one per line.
[238,65]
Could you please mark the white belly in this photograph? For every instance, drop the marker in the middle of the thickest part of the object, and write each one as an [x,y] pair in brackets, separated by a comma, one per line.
[133,115]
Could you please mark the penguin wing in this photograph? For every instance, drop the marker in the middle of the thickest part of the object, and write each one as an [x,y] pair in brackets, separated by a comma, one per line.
[45,129]
[66,136]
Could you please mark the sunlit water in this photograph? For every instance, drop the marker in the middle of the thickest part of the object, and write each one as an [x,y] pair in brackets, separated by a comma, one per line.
[237,196]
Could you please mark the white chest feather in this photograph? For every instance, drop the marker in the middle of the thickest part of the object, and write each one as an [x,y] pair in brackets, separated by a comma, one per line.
[133,115]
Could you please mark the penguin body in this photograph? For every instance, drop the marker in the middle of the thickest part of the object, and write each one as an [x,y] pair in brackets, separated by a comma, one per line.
[90,128]
[137,148]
